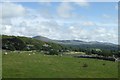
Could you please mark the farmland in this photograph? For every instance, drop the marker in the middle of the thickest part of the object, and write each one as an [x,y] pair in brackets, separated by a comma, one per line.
[37,65]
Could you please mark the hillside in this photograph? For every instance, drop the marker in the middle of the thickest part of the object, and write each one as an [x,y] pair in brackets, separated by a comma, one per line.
[25,43]
[52,47]
[81,44]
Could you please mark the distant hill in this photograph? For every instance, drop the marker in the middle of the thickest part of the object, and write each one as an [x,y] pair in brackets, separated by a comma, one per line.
[49,46]
[81,44]
[42,38]
[78,42]
[71,42]
[36,43]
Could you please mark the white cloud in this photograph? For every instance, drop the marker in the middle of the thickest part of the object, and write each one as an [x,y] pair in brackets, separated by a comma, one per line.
[105,35]
[36,24]
[46,13]
[11,10]
[101,34]
[106,16]
[6,29]
[78,33]
[64,10]
[31,27]
[48,3]
[82,3]
[51,29]
[88,23]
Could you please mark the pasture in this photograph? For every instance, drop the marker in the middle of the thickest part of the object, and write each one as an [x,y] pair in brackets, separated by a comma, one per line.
[38,65]
[0,64]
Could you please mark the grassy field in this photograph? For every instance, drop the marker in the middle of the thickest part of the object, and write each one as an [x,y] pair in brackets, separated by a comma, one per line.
[0,64]
[23,65]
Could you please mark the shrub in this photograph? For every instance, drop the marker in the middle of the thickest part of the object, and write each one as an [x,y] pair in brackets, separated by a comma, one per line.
[103,64]
[53,52]
[85,65]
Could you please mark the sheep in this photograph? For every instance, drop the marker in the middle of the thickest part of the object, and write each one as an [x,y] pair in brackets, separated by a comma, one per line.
[33,53]
[29,54]
[5,53]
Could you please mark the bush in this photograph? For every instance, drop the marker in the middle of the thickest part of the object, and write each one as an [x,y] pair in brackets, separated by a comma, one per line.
[103,64]
[53,52]
[85,65]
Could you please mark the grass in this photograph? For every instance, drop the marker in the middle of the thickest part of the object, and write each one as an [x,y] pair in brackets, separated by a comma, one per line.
[0,64]
[39,66]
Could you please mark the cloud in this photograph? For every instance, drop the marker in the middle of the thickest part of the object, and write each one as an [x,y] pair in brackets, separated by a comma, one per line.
[106,16]
[116,7]
[47,3]
[109,19]
[78,33]
[10,10]
[26,26]
[46,13]
[52,29]
[36,23]
[6,29]
[5,21]
[101,34]
[88,23]
[104,35]
[64,10]
[14,22]
[82,3]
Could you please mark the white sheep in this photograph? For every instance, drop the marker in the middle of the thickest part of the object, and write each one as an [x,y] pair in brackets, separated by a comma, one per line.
[29,54]
[5,53]
[33,53]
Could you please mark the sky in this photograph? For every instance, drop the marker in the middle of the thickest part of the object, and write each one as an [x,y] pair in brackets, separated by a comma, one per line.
[87,21]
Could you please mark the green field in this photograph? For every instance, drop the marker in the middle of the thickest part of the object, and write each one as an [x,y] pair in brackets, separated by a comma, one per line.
[0,64]
[23,65]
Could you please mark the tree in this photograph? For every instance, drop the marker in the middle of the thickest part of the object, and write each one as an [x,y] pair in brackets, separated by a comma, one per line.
[88,52]
[53,52]
[13,44]
[18,43]
[106,53]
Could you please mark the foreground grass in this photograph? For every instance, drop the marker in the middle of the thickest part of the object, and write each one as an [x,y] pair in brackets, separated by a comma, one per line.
[39,66]
[0,64]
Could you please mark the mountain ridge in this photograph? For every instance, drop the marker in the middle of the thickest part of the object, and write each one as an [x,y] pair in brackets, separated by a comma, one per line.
[73,42]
